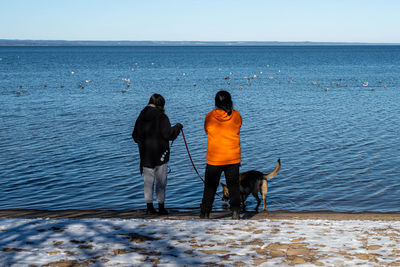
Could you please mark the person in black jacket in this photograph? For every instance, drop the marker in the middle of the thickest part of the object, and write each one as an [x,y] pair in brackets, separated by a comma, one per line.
[152,133]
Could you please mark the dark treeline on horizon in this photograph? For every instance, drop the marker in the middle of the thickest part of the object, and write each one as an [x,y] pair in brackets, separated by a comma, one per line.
[10,42]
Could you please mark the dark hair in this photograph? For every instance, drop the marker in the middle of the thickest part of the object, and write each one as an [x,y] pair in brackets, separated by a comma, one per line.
[223,101]
[158,101]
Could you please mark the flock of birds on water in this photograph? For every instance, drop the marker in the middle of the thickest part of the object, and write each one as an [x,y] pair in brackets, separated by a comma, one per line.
[248,81]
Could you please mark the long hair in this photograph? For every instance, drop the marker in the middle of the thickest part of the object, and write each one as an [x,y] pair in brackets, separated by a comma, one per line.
[223,100]
[158,101]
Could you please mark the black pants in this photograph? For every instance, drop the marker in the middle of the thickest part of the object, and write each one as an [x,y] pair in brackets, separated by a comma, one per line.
[212,177]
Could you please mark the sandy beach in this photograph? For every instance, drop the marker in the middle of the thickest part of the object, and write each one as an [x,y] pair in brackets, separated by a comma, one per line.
[132,238]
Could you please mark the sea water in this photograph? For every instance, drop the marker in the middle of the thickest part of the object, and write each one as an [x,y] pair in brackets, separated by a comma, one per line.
[330,113]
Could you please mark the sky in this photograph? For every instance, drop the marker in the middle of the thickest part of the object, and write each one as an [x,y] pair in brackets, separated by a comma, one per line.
[371,21]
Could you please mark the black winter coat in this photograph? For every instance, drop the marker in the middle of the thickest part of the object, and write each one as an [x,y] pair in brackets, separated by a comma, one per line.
[152,133]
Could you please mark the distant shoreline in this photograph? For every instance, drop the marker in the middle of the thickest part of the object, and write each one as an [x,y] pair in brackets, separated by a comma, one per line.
[11,42]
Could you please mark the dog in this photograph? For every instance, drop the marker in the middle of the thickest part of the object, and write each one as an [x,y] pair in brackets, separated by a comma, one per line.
[253,182]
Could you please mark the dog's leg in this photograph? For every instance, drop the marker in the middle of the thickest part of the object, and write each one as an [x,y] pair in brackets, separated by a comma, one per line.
[243,198]
[264,189]
[255,194]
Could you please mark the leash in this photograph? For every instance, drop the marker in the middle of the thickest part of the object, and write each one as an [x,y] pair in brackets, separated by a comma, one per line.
[190,157]
[191,160]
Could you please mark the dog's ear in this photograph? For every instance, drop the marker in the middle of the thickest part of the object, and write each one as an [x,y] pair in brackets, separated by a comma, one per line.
[224,188]
[225,192]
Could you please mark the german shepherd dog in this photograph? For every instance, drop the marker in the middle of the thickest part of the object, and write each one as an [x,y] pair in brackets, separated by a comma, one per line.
[253,182]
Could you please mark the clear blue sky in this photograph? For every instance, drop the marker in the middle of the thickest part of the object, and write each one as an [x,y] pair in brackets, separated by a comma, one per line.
[202,20]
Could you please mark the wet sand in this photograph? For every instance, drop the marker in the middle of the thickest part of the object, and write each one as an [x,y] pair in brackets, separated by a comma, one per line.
[182,215]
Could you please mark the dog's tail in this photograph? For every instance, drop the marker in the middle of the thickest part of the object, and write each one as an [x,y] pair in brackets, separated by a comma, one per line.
[274,172]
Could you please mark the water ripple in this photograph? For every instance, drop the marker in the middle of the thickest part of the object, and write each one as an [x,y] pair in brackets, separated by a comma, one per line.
[64,148]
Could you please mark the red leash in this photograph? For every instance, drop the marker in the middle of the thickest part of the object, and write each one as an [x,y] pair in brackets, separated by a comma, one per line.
[190,157]
[191,160]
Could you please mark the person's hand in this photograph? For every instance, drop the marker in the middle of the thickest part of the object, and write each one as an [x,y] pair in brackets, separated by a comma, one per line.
[180,126]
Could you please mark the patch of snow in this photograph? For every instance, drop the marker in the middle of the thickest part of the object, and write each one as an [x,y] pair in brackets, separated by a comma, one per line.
[113,242]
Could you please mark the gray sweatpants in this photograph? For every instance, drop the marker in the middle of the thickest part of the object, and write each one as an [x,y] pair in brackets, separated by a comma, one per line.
[159,176]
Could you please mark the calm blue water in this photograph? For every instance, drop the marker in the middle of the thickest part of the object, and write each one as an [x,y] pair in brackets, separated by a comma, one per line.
[71,148]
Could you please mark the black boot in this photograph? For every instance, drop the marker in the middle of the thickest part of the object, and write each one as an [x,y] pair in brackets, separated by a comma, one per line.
[236,214]
[203,213]
[150,209]
[161,209]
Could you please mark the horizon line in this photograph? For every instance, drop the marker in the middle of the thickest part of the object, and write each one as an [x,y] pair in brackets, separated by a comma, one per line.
[201,41]
[163,42]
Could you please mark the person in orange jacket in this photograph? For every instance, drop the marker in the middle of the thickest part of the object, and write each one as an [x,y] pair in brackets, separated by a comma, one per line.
[222,125]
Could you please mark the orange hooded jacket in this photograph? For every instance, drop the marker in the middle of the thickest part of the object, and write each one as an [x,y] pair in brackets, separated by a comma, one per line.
[223,146]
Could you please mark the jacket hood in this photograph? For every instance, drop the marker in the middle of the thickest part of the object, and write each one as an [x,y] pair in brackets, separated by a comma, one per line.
[221,115]
[149,112]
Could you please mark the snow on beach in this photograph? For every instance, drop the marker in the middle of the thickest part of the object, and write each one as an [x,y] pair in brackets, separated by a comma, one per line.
[150,242]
